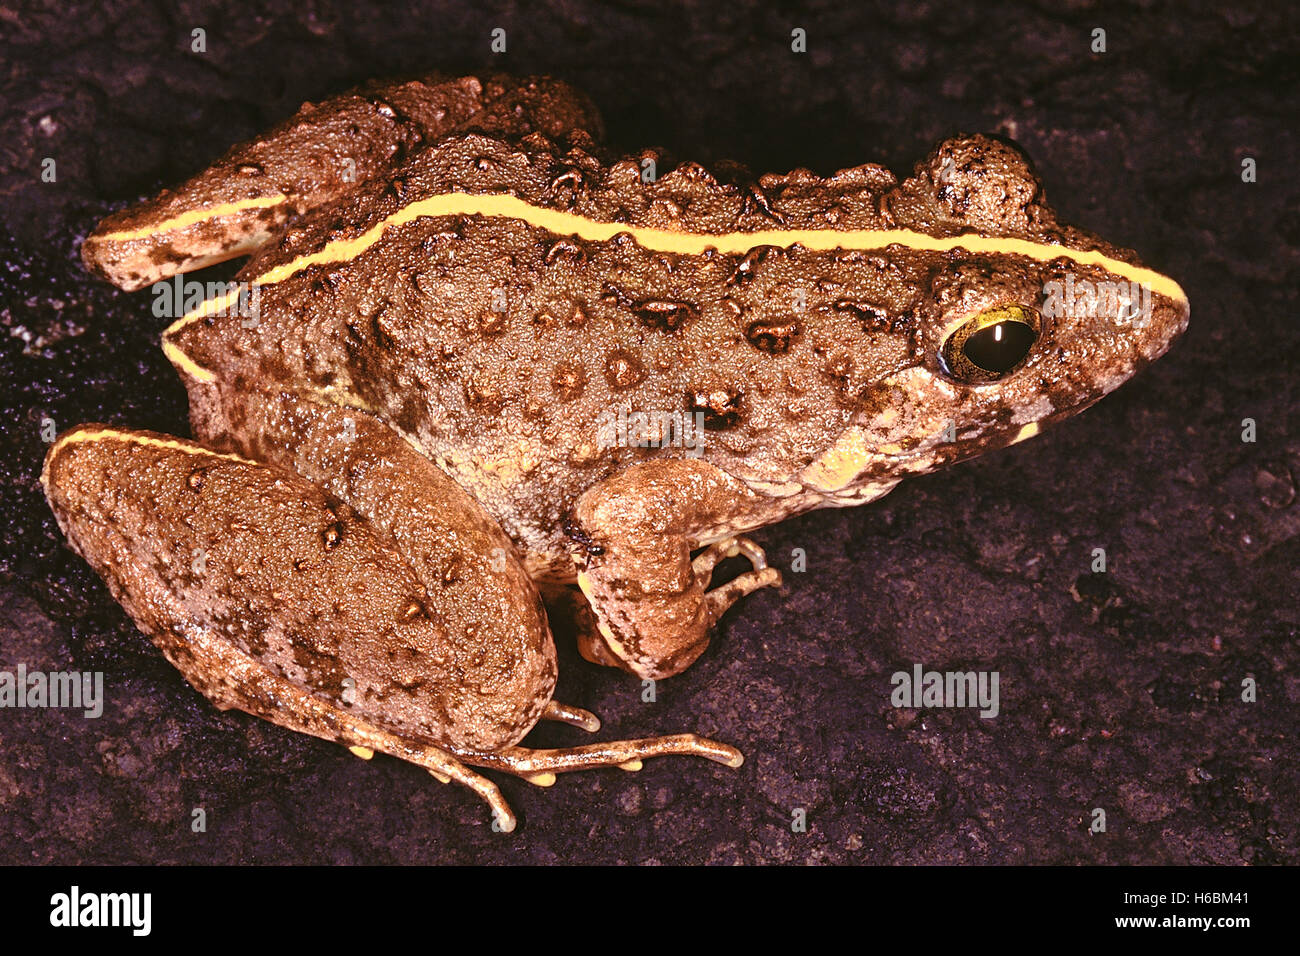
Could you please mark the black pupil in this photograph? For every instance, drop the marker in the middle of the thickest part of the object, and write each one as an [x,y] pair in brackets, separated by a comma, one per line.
[1000,347]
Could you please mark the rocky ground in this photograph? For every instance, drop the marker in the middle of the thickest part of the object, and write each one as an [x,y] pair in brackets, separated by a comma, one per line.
[1120,691]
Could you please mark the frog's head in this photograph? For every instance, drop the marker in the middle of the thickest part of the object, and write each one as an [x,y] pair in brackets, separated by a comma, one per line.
[1022,321]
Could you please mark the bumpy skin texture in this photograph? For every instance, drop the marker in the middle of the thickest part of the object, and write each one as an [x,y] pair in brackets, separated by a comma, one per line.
[510,403]
[502,348]
[261,560]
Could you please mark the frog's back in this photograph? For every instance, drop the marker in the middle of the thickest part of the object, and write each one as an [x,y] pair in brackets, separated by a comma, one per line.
[531,363]
[536,320]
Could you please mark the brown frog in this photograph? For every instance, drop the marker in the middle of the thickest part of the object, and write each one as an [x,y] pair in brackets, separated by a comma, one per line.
[471,364]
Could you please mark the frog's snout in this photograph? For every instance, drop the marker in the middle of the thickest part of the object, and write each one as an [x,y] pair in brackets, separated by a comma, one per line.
[1155,327]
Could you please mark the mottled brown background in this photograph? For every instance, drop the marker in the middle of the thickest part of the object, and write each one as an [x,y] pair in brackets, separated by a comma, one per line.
[1118,691]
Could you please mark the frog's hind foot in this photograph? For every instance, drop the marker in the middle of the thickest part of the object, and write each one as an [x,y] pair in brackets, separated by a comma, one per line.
[627,754]
[441,766]
[720,599]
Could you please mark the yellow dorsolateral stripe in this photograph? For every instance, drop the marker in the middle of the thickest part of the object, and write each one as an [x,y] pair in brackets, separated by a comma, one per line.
[694,243]
[192,216]
[174,444]
[667,240]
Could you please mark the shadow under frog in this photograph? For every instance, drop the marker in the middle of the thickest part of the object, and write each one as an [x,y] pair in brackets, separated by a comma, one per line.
[408,445]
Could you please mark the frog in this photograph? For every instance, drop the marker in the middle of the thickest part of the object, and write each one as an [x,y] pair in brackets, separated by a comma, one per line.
[480,376]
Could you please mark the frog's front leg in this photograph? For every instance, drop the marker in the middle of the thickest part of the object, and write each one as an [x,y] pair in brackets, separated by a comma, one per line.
[634,533]
[318,155]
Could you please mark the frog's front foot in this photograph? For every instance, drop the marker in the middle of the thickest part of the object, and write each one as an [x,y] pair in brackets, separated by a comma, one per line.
[650,610]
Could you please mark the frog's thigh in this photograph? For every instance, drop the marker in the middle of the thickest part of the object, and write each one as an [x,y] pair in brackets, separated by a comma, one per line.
[318,155]
[635,531]
[269,596]
[470,568]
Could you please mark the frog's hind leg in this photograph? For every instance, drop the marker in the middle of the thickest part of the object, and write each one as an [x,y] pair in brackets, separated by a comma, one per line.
[320,154]
[271,597]
[407,496]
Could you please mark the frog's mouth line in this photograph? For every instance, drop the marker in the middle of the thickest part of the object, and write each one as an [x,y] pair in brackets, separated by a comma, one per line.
[660,240]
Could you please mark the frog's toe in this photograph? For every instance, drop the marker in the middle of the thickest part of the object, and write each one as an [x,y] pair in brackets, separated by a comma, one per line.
[720,599]
[573,716]
[729,547]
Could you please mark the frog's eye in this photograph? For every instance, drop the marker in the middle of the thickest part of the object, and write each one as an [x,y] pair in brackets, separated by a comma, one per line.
[988,346]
